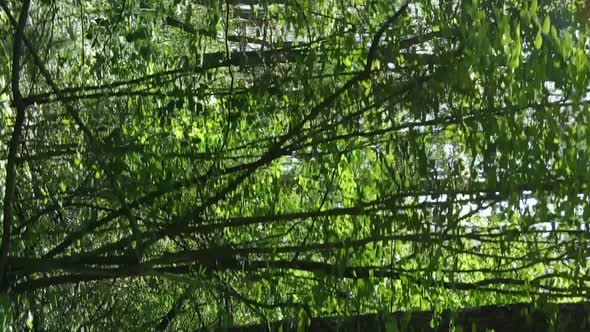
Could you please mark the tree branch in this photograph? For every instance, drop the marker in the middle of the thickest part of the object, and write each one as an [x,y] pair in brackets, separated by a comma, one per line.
[16,135]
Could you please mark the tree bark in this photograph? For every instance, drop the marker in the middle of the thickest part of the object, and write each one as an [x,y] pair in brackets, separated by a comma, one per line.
[522,317]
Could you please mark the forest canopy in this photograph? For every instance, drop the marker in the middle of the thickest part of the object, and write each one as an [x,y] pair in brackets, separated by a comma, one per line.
[207,165]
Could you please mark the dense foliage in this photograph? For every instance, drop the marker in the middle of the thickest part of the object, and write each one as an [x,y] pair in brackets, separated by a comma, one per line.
[181,164]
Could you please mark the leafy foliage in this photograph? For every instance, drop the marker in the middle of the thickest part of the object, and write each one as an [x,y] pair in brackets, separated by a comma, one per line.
[193,164]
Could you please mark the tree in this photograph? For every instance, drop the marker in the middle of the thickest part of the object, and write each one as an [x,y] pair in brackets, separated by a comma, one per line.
[179,165]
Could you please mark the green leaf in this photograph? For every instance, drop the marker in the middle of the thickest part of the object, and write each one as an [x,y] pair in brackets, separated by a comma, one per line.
[554,34]
[538,40]
[546,25]
[533,8]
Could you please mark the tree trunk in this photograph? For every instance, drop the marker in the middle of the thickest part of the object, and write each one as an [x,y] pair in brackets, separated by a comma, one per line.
[520,317]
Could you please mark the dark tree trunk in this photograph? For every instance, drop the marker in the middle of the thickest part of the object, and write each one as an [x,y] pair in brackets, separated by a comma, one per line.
[499,318]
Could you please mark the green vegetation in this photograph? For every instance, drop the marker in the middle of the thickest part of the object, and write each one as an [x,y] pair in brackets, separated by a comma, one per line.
[184,165]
